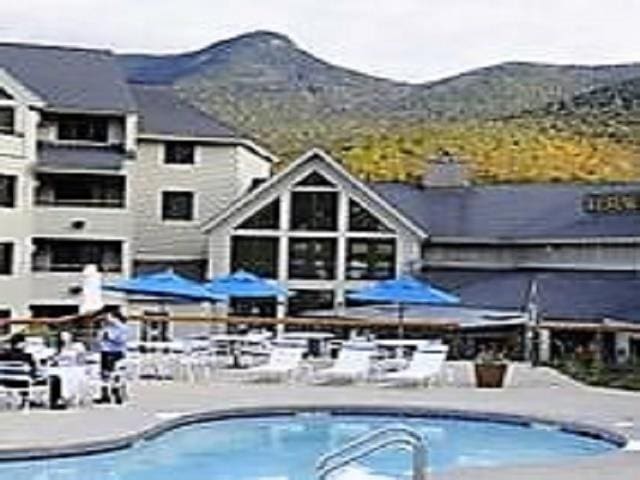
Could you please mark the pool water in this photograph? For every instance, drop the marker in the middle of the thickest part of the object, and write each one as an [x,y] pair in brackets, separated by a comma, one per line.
[287,447]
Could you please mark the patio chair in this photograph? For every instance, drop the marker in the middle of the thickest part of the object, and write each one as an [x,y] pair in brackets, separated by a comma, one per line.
[19,383]
[284,360]
[354,363]
[195,365]
[425,366]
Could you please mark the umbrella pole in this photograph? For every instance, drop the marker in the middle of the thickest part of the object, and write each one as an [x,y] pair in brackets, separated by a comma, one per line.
[401,320]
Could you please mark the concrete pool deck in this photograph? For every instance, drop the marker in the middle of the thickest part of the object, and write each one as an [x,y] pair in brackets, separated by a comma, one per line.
[540,394]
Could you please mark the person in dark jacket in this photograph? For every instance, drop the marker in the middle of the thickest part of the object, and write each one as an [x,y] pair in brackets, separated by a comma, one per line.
[17,353]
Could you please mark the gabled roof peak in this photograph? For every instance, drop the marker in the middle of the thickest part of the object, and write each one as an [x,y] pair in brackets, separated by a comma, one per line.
[328,160]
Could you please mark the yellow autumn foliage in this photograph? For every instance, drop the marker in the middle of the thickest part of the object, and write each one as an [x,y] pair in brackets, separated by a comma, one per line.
[496,152]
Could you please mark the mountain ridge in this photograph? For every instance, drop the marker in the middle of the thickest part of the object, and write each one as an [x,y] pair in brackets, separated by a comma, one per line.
[264,84]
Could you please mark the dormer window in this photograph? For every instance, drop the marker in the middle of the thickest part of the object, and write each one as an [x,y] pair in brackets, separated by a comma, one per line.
[84,128]
[7,120]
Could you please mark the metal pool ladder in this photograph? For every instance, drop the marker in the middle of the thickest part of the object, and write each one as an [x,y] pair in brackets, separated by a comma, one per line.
[396,436]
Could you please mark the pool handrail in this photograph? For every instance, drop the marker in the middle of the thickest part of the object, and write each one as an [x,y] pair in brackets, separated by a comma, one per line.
[397,435]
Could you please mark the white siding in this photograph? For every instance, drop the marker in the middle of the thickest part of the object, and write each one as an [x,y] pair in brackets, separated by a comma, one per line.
[17,156]
[219,175]
[250,166]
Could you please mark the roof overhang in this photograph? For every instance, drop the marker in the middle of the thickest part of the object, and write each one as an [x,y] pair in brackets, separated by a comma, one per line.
[233,141]
[19,91]
[504,241]
[68,159]
[78,111]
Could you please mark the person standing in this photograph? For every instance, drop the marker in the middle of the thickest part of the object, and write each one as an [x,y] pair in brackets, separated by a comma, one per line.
[113,346]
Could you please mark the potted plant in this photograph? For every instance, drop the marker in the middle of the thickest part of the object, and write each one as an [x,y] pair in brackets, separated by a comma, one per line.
[490,368]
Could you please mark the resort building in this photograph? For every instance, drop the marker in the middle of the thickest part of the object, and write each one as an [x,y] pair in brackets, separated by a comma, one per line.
[316,229]
[568,254]
[96,171]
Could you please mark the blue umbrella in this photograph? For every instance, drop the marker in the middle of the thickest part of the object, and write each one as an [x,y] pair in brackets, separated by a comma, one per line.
[166,285]
[243,284]
[403,291]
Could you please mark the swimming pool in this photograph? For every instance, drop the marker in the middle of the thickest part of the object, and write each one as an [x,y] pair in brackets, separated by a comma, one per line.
[286,447]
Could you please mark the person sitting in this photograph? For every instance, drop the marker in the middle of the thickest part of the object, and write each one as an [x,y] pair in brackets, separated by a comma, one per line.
[70,352]
[16,353]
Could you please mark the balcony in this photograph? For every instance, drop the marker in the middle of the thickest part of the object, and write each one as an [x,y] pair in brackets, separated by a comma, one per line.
[65,158]
[65,255]
[80,191]
[82,129]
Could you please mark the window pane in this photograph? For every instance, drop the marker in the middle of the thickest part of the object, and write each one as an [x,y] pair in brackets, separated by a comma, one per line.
[314,211]
[7,191]
[83,127]
[312,259]
[253,307]
[302,300]
[314,179]
[181,153]
[256,255]
[177,206]
[6,258]
[7,120]
[362,220]
[266,218]
[371,259]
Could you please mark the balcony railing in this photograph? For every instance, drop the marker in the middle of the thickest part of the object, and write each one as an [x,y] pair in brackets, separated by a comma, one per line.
[75,267]
[82,203]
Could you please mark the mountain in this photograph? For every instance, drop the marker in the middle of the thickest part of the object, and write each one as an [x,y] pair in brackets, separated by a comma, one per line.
[267,86]
[267,64]
[612,110]
[509,88]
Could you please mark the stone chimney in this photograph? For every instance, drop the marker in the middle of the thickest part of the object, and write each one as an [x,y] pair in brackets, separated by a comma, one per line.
[445,170]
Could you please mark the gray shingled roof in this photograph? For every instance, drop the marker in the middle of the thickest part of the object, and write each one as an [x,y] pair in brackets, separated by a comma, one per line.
[508,211]
[59,157]
[69,78]
[162,112]
[561,295]
[494,297]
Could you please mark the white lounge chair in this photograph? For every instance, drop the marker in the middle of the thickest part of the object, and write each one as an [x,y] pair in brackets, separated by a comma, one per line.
[425,366]
[353,364]
[284,360]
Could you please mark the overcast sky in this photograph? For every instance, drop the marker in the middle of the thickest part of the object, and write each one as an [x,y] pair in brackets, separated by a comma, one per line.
[413,40]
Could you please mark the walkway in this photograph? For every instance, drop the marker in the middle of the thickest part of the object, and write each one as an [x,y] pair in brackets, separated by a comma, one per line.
[540,393]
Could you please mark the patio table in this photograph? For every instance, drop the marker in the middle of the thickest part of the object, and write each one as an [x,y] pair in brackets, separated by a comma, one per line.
[317,342]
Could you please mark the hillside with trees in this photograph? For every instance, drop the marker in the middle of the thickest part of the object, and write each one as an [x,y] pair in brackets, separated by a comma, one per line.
[511,122]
